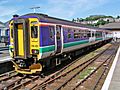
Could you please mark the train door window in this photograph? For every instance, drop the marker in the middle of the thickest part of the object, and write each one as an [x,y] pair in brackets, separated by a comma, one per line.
[58,31]
[52,31]
[34,31]
[58,35]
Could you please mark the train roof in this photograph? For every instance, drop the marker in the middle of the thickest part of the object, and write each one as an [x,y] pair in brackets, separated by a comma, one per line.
[49,19]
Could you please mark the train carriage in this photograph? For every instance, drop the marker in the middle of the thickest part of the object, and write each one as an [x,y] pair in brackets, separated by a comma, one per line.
[38,40]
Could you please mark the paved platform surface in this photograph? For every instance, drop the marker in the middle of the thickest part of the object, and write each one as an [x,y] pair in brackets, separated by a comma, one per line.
[115,82]
[4,56]
[112,81]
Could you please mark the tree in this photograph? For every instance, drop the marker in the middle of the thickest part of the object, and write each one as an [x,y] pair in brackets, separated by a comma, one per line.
[81,19]
[73,20]
[78,20]
[118,17]
[101,22]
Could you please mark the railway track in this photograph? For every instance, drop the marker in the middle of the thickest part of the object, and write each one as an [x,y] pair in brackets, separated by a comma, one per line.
[57,80]
[7,75]
[102,67]
[69,80]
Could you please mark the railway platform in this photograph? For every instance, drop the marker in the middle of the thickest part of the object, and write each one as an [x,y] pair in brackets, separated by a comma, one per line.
[5,59]
[112,81]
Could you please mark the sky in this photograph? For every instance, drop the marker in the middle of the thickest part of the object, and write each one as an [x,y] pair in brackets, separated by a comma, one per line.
[64,9]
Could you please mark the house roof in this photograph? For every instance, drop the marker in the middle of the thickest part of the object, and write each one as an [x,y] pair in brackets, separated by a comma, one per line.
[115,25]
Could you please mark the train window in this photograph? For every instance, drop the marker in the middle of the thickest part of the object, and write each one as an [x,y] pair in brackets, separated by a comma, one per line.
[76,35]
[52,31]
[34,31]
[69,34]
[11,32]
[98,34]
[88,34]
[34,22]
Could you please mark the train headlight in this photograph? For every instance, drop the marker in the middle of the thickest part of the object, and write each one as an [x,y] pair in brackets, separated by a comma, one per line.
[34,51]
[12,50]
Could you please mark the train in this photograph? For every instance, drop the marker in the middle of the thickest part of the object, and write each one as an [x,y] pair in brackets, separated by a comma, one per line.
[38,41]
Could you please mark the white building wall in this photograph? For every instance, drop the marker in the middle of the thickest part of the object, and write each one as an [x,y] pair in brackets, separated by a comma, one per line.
[2,32]
[116,34]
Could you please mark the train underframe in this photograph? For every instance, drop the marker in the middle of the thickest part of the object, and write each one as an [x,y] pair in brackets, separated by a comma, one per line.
[32,65]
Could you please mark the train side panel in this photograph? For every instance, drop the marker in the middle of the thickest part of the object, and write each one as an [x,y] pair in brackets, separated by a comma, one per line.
[47,41]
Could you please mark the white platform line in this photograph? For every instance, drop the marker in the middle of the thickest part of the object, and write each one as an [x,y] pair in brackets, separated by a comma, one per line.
[110,74]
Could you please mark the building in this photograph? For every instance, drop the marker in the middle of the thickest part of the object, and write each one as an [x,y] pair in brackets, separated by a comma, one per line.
[89,22]
[109,19]
[114,27]
[3,33]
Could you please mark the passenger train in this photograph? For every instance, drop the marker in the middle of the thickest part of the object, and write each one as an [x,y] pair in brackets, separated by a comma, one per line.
[38,41]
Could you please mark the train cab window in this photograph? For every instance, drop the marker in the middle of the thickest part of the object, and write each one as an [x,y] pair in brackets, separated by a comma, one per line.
[34,31]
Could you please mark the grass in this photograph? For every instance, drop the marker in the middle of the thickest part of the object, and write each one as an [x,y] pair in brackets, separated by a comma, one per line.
[86,72]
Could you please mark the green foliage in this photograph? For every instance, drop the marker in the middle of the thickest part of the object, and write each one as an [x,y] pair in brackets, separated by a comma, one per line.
[86,72]
[94,18]
[102,22]
[118,17]
[73,20]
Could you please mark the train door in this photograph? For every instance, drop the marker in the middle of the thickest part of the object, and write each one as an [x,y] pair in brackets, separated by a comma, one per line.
[20,37]
[59,39]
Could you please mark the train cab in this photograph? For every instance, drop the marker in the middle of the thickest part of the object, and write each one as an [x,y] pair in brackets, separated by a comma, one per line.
[24,44]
